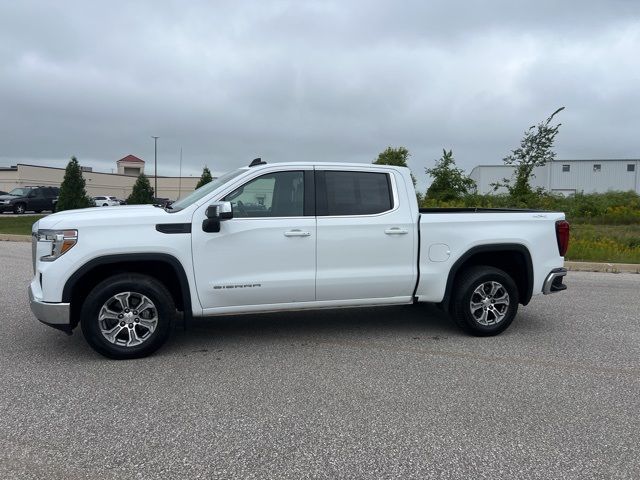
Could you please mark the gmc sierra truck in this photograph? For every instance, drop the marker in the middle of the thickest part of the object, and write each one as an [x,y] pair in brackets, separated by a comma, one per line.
[289,236]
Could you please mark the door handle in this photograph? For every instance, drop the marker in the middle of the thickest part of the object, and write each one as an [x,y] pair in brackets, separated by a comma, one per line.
[396,231]
[297,233]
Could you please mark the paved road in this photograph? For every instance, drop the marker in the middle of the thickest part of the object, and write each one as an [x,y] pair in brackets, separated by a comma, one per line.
[390,393]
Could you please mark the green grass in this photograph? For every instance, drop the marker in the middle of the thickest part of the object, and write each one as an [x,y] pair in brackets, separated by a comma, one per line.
[604,243]
[18,224]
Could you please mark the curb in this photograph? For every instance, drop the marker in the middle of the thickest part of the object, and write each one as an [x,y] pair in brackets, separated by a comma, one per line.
[602,267]
[8,237]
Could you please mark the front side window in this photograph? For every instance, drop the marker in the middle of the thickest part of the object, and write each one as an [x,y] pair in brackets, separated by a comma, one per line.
[205,190]
[279,194]
[357,193]
[20,192]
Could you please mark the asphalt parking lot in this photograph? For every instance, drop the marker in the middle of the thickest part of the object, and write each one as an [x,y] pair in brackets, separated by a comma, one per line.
[389,393]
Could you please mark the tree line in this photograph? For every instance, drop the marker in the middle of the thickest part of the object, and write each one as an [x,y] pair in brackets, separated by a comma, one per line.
[449,183]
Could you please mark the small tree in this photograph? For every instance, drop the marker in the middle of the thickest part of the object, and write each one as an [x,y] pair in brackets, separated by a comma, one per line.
[204,178]
[72,191]
[536,149]
[394,156]
[449,182]
[142,191]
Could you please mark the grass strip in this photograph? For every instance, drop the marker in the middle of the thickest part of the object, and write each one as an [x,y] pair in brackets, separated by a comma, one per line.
[18,224]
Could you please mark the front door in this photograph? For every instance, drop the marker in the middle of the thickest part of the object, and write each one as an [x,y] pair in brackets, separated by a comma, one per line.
[265,254]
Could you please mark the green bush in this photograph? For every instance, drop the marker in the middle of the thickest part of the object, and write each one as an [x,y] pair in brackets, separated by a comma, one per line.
[611,208]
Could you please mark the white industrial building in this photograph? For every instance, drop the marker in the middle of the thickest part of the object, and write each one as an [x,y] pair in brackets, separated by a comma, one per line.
[567,176]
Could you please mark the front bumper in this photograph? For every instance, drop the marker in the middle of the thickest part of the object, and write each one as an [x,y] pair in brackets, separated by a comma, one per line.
[53,314]
[553,282]
[6,208]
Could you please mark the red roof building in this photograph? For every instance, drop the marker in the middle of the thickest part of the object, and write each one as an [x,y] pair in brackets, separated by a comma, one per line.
[130,165]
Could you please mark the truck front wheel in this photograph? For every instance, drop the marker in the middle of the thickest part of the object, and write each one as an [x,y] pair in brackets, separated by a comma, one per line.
[485,301]
[127,316]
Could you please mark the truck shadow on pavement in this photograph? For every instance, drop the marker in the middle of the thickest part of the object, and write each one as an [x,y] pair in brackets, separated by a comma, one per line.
[311,326]
[404,323]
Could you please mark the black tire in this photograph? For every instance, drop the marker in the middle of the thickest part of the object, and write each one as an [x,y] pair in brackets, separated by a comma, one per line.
[490,318]
[19,208]
[137,285]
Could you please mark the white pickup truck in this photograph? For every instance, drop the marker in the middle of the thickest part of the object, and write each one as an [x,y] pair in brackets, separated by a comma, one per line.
[287,236]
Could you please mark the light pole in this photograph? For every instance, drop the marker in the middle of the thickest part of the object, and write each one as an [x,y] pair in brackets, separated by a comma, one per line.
[155,166]
[180,176]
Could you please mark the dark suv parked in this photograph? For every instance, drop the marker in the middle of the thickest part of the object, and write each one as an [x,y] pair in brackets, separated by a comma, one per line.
[23,199]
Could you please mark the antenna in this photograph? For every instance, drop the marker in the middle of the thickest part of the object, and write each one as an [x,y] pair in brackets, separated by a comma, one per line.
[256,162]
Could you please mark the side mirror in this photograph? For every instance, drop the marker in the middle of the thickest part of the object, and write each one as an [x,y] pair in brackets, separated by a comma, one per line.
[216,213]
[220,211]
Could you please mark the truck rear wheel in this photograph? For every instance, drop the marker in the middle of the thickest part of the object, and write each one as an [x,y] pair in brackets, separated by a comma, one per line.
[485,301]
[127,316]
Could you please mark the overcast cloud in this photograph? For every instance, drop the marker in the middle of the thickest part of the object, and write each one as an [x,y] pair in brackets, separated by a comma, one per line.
[317,81]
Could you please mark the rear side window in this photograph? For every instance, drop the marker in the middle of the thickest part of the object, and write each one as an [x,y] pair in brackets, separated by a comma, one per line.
[355,193]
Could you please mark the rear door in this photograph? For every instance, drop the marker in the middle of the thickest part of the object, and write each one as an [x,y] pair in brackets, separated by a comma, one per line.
[37,200]
[50,194]
[366,241]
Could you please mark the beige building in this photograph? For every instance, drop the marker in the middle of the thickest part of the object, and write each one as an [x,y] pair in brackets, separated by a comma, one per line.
[97,183]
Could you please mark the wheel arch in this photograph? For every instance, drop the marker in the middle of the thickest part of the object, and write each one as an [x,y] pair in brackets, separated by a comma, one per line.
[513,258]
[164,267]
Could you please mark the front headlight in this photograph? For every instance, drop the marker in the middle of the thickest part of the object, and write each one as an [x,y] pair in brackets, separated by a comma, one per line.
[61,242]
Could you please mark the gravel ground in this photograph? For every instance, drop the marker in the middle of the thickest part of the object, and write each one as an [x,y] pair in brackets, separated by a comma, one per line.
[395,392]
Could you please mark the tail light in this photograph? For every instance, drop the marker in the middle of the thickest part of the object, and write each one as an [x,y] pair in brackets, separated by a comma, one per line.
[562,235]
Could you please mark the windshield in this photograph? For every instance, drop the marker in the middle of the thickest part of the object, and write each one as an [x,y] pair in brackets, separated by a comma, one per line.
[205,190]
[20,192]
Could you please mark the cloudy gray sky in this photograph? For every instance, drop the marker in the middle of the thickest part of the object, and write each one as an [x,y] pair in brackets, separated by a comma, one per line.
[314,80]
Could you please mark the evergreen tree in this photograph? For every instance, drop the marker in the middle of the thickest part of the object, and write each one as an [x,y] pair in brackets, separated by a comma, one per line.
[142,191]
[204,178]
[72,191]
[449,182]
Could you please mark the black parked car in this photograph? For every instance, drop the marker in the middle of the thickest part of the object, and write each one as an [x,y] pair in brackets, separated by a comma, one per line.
[24,199]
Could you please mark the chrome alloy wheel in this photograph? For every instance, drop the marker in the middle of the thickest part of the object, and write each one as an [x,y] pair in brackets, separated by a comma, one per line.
[489,303]
[128,319]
